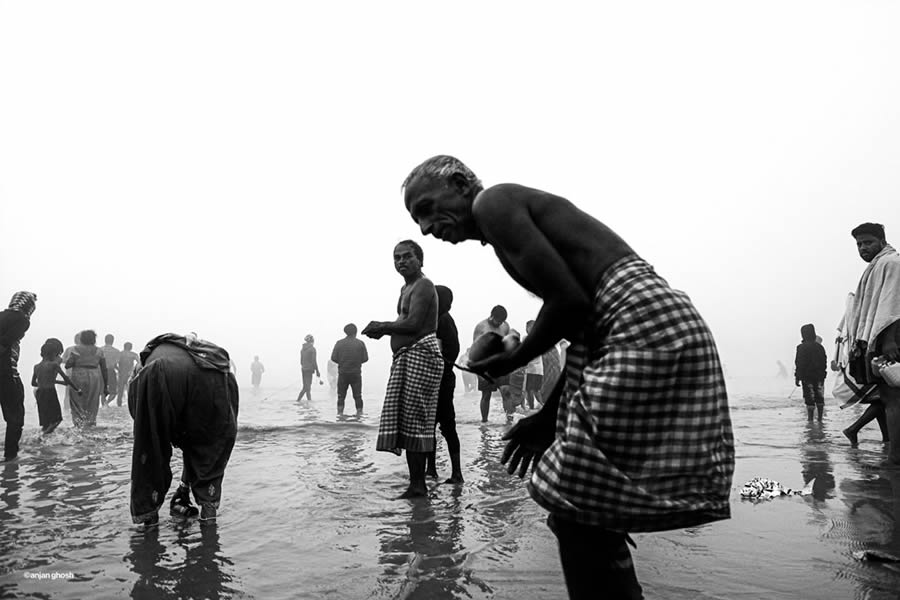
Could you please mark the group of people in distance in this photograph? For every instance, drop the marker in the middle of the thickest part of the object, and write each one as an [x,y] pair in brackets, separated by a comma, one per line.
[635,435]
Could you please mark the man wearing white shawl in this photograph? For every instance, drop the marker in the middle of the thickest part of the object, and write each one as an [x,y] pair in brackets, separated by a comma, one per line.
[873,325]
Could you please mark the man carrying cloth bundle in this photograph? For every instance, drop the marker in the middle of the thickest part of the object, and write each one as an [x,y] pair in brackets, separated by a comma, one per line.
[411,397]
[186,396]
[873,324]
[637,434]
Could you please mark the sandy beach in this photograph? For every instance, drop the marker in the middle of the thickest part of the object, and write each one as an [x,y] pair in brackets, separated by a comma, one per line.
[309,511]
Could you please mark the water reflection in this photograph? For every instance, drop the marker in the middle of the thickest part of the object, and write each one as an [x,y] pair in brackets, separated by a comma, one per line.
[815,462]
[203,572]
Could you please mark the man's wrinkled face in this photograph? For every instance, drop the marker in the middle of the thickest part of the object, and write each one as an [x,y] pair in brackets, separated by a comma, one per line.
[439,210]
[405,261]
[868,246]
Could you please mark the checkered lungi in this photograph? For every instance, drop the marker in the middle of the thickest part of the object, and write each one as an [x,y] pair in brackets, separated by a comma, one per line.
[643,433]
[410,401]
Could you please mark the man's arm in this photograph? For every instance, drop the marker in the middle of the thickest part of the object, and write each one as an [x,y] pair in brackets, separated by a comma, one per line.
[334,353]
[508,226]
[365,352]
[34,381]
[66,378]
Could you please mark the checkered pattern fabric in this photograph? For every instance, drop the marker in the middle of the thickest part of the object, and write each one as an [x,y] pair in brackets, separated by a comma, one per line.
[410,401]
[643,434]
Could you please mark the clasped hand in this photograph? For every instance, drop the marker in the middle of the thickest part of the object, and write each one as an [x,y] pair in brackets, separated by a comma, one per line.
[374,330]
[493,366]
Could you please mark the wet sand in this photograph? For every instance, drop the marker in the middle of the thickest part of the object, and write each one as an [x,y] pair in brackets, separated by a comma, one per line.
[309,511]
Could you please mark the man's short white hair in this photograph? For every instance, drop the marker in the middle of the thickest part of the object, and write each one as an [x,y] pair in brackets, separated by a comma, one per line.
[441,168]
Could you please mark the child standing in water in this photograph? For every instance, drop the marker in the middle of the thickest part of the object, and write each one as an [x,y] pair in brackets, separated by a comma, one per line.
[44,382]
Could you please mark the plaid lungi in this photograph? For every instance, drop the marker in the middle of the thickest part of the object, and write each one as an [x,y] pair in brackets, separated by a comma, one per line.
[410,401]
[643,433]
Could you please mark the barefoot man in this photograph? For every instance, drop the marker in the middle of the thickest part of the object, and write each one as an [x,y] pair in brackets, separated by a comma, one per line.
[411,398]
[637,435]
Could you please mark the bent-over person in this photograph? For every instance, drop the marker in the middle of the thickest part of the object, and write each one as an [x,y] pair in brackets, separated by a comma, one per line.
[186,396]
[411,397]
[637,435]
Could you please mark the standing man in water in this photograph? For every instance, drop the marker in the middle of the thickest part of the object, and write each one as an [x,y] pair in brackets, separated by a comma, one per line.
[111,355]
[495,323]
[637,435]
[349,354]
[14,322]
[411,397]
[873,325]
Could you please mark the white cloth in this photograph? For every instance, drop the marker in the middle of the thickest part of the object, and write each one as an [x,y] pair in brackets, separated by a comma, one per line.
[876,304]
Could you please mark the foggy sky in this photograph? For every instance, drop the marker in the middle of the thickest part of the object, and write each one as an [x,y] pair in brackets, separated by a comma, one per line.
[234,168]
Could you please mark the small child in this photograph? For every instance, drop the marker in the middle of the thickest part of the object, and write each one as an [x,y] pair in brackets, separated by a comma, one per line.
[44,382]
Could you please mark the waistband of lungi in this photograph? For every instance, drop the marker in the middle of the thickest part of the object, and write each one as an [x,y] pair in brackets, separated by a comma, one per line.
[419,344]
[626,279]
[86,367]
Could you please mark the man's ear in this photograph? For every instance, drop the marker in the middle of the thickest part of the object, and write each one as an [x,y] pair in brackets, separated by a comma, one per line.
[460,182]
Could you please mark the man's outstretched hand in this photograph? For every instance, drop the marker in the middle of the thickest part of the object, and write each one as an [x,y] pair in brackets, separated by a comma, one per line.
[528,440]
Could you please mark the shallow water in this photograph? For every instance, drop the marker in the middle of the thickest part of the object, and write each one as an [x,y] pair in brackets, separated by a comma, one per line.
[309,511]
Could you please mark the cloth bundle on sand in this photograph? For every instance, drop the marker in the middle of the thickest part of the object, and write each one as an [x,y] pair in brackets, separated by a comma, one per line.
[876,303]
[643,433]
[761,488]
[411,397]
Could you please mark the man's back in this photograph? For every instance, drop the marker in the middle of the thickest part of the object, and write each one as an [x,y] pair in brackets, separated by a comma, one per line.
[349,354]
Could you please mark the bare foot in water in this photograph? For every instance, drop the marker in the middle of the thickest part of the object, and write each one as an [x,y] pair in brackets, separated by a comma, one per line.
[414,491]
[433,474]
[854,440]
[455,478]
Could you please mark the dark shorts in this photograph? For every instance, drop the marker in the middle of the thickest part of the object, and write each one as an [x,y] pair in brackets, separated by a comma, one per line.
[533,382]
[813,392]
[486,386]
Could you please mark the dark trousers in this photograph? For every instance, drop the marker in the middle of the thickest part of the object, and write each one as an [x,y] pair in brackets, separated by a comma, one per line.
[446,414]
[596,562]
[12,401]
[354,382]
[307,385]
[176,403]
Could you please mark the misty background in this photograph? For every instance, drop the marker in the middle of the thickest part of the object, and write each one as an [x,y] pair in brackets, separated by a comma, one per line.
[234,168]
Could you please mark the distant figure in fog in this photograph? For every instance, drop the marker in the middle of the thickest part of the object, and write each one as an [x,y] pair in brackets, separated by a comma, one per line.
[256,372]
[349,354]
[111,356]
[186,396]
[411,397]
[782,370]
[43,380]
[14,322]
[308,366]
[90,375]
[125,367]
[810,369]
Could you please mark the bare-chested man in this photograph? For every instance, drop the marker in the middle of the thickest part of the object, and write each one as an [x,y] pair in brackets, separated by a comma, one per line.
[637,435]
[495,323]
[410,402]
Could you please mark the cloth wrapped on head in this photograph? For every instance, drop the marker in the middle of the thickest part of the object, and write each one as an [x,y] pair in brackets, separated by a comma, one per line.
[23,302]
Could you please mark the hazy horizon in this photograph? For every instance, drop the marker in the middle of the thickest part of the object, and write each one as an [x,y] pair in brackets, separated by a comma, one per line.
[234,169]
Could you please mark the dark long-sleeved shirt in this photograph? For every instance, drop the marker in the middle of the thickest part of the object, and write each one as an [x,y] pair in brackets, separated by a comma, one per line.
[13,325]
[349,354]
[811,362]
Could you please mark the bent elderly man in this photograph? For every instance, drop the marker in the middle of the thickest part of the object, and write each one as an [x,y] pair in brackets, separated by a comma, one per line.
[411,397]
[637,434]
[184,395]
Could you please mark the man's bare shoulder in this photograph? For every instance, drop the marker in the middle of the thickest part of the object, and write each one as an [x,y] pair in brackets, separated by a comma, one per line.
[504,197]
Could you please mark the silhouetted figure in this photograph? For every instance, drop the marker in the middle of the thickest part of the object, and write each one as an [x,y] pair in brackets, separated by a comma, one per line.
[43,379]
[810,368]
[90,376]
[256,372]
[496,323]
[349,354]
[448,337]
[125,367]
[14,322]
[308,366]
[111,355]
[184,395]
